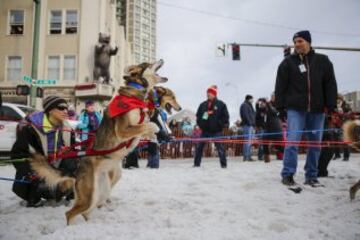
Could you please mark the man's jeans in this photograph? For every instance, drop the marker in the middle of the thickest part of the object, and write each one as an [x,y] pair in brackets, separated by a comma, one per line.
[219,147]
[248,135]
[297,122]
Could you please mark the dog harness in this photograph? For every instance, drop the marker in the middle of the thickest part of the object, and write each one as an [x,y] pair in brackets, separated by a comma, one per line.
[122,104]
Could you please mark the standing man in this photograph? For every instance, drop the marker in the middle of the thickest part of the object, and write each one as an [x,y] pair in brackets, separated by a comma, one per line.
[212,116]
[89,120]
[305,89]
[247,114]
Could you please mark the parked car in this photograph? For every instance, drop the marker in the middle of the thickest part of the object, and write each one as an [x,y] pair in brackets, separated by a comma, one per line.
[10,115]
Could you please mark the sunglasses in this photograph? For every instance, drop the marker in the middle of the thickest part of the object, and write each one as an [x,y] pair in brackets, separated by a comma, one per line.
[61,108]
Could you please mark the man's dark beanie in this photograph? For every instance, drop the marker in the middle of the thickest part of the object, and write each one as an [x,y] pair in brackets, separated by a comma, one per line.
[52,102]
[248,97]
[303,34]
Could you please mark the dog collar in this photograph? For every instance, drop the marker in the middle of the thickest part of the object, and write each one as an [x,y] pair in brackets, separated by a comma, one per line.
[135,85]
[156,99]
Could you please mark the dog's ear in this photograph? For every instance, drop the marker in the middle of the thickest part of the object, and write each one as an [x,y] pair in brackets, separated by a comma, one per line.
[132,70]
[161,91]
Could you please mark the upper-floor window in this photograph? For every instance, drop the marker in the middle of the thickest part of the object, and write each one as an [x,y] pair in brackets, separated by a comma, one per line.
[16,22]
[14,68]
[55,22]
[60,26]
[71,21]
[54,67]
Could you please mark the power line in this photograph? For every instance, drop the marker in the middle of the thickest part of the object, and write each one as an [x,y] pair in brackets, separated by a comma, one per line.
[274,25]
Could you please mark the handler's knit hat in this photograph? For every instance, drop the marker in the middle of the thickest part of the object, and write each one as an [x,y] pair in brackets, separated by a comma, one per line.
[52,102]
[305,34]
[212,90]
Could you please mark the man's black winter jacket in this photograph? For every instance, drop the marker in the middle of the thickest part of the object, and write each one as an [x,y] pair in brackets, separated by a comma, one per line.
[306,84]
[216,121]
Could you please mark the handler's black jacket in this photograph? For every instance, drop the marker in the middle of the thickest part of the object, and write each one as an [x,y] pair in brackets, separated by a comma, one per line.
[312,90]
[216,121]
[26,136]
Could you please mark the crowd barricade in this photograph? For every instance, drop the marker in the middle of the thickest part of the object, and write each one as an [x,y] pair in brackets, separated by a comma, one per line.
[186,149]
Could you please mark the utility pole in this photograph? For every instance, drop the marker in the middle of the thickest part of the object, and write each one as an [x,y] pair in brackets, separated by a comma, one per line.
[35,53]
[284,46]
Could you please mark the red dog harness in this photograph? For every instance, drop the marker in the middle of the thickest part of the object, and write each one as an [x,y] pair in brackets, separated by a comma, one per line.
[122,104]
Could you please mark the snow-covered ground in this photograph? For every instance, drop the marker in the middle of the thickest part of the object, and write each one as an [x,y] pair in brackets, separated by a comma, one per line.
[244,201]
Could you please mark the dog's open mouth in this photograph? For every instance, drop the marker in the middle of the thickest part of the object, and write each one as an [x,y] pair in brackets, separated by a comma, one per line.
[168,108]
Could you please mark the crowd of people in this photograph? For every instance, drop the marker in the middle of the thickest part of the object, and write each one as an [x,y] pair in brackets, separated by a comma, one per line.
[305,102]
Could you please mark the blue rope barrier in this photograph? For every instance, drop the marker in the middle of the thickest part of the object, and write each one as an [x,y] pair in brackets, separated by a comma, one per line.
[253,135]
[14,180]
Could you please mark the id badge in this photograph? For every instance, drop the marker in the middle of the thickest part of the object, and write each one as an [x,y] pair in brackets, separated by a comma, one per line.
[205,116]
[302,68]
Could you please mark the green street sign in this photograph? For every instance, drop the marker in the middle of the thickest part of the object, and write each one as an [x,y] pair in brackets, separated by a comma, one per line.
[27,79]
[46,82]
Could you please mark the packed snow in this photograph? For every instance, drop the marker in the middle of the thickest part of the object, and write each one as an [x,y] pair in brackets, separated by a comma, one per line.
[244,201]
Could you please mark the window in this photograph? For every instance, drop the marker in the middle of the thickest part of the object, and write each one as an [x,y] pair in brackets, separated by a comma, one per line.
[55,22]
[8,114]
[71,22]
[14,68]
[69,68]
[16,22]
[54,67]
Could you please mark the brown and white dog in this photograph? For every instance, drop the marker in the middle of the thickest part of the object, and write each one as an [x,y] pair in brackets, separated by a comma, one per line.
[352,134]
[97,175]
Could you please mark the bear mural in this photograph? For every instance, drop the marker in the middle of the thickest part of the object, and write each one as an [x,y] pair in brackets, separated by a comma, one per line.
[103,53]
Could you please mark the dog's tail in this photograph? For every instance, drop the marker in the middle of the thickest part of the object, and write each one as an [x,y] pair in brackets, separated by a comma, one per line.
[53,177]
[352,133]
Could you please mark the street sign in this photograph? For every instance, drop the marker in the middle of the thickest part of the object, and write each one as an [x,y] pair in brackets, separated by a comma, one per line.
[27,79]
[45,82]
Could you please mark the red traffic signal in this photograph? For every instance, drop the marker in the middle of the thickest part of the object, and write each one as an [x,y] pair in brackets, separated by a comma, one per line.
[22,90]
[235,51]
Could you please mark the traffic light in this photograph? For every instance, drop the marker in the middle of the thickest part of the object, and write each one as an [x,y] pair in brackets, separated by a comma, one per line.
[287,51]
[22,90]
[235,51]
[39,92]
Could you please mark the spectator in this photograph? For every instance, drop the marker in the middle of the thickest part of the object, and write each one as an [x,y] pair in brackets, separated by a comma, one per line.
[89,120]
[247,114]
[305,86]
[173,124]
[196,132]
[212,116]
[186,127]
[43,131]
[260,114]
[272,130]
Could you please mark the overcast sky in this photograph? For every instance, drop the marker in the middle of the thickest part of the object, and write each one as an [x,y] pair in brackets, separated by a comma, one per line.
[187,42]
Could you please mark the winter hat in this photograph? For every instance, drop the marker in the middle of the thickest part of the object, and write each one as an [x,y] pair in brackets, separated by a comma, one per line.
[89,103]
[52,102]
[212,90]
[303,34]
[248,97]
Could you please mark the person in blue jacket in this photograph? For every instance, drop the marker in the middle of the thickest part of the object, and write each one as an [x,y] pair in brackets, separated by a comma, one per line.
[89,120]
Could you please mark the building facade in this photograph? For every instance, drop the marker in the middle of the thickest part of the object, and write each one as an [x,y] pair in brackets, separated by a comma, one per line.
[139,19]
[68,33]
[353,98]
